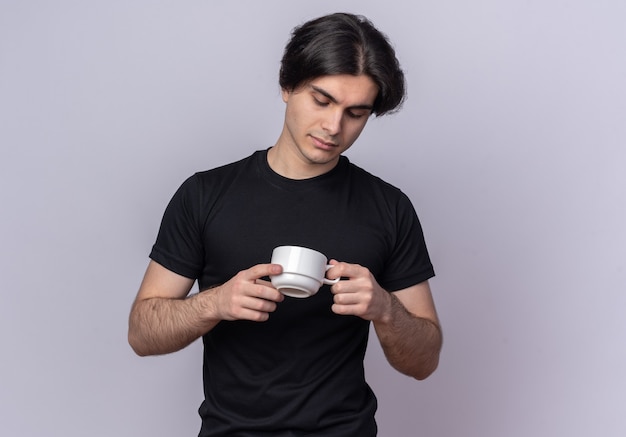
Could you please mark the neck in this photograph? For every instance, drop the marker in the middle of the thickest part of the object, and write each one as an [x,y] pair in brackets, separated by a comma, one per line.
[292,165]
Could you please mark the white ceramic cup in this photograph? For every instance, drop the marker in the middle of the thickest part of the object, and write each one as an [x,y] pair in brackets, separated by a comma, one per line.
[304,271]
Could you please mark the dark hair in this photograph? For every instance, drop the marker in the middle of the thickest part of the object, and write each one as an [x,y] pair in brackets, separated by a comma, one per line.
[344,44]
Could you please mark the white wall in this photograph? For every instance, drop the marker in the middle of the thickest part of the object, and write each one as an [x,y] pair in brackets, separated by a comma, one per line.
[511,146]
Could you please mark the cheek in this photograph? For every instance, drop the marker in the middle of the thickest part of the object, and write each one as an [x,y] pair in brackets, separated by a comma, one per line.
[291,119]
[296,118]
[353,130]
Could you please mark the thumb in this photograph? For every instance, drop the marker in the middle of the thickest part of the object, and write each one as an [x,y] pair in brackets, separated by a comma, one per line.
[262,270]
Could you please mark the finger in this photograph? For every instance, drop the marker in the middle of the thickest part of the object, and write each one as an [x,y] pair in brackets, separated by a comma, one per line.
[335,271]
[343,298]
[346,270]
[346,286]
[261,270]
[265,290]
[260,305]
[252,315]
[252,308]
[345,310]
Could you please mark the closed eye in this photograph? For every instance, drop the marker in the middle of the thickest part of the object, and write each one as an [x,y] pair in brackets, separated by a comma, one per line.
[357,115]
[320,102]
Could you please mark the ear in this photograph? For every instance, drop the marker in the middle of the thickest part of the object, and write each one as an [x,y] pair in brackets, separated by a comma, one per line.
[285,94]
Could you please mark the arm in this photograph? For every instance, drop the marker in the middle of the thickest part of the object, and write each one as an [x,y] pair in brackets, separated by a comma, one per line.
[405,321]
[410,333]
[164,319]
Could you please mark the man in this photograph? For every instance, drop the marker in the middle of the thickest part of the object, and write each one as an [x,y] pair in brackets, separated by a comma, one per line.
[275,365]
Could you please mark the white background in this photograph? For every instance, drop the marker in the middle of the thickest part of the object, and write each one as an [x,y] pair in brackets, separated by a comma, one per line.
[511,146]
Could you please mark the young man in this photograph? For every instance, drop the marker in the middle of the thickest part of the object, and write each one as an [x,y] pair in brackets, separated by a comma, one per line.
[275,365]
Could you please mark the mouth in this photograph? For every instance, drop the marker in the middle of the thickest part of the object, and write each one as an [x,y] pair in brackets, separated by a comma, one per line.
[322,144]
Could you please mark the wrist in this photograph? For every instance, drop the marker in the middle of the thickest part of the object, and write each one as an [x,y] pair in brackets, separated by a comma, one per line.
[206,307]
[388,308]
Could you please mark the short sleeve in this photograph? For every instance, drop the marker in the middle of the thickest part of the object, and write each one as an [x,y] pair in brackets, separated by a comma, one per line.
[178,246]
[409,263]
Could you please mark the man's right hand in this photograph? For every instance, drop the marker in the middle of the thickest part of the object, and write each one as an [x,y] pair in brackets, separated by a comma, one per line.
[246,296]
[164,319]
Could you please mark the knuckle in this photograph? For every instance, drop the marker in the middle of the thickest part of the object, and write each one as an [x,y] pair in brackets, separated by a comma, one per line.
[338,287]
[260,316]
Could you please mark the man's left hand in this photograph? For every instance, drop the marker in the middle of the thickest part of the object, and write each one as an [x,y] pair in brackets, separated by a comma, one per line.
[358,294]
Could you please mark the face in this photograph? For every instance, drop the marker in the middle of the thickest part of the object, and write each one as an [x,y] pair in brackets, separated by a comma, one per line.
[323,119]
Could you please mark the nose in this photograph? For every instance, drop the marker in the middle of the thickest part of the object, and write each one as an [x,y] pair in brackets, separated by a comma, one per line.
[332,122]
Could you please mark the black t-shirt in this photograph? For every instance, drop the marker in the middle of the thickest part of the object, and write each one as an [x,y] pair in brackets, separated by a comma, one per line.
[301,372]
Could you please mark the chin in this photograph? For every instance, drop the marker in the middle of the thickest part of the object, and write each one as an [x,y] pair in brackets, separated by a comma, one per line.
[323,157]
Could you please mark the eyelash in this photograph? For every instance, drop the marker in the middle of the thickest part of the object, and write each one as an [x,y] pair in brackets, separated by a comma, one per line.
[350,114]
[320,103]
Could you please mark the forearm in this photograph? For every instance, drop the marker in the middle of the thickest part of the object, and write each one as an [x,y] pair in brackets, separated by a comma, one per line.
[410,343]
[160,326]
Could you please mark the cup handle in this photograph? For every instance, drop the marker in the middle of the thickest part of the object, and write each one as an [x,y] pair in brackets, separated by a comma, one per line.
[327,281]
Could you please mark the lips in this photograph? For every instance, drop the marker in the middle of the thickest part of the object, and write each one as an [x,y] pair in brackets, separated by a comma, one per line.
[325,145]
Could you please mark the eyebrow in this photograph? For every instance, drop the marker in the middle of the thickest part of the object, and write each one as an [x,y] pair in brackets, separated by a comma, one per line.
[334,100]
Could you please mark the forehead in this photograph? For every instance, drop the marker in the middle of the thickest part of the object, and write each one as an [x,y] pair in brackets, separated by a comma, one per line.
[347,89]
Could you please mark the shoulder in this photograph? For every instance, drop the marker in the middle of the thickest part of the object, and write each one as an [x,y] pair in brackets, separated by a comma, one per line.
[391,203]
[374,184]
[226,169]
[221,176]
[202,189]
